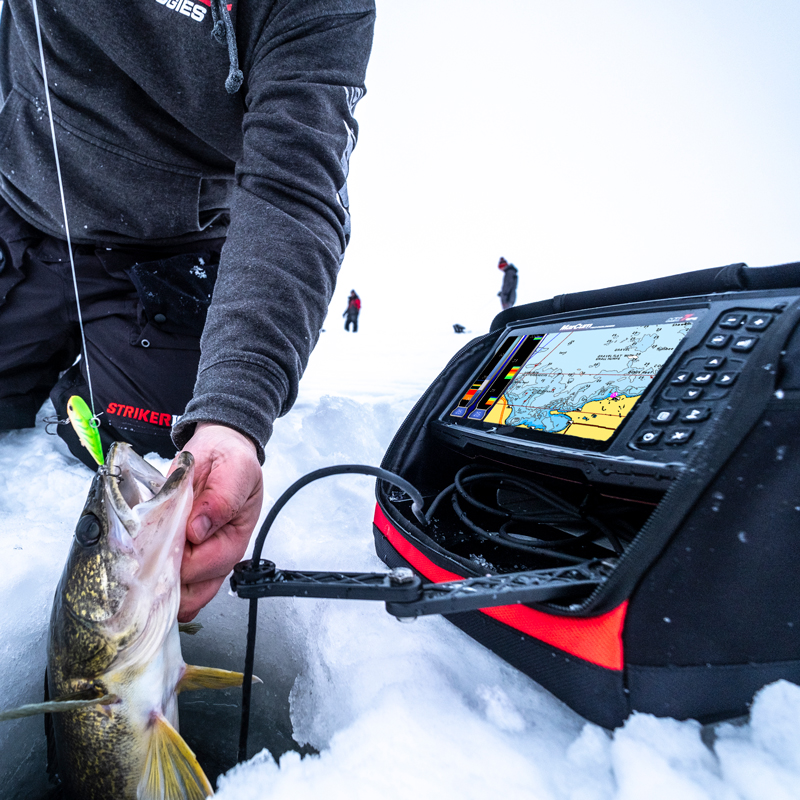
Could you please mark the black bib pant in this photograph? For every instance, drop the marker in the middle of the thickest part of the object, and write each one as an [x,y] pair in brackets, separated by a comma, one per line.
[143,312]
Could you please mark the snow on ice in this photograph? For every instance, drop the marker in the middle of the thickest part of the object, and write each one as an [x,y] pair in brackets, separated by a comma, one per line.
[355,704]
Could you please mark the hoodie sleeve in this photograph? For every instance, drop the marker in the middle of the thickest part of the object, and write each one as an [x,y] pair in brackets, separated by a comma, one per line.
[289,217]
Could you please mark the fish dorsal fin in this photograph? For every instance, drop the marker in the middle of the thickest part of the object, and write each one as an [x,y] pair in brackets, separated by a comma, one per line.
[171,771]
[55,707]
[208,678]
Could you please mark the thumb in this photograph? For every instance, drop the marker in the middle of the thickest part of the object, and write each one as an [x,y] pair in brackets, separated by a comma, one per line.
[199,524]
[215,505]
[199,528]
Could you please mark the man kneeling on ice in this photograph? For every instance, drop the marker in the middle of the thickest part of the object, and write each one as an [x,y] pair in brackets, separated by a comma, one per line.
[202,154]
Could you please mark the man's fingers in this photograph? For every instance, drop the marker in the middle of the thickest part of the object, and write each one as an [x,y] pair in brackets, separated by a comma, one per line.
[212,509]
[195,595]
[228,495]
[205,566]
[227,482]
[227,502]
[199,529]
[215,557]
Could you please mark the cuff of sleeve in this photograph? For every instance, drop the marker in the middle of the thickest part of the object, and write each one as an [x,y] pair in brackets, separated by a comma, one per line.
[241,395]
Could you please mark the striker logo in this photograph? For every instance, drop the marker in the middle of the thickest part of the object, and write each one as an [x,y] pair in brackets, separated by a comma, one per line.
[194,11]
[142,414]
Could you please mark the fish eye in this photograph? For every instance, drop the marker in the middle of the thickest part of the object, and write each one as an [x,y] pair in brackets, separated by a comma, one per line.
[88,531]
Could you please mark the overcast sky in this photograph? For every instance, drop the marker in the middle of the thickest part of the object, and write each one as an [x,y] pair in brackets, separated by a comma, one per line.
[590,143]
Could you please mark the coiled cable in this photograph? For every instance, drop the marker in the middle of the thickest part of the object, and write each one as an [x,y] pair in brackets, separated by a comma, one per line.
[553,511]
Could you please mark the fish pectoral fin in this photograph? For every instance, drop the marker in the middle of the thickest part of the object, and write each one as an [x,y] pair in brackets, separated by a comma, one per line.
[208,678]
[190,627]
[171,770]
[55,707]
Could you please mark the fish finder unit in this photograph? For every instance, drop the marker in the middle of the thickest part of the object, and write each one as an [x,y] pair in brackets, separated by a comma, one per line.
[618,394]
[642,444]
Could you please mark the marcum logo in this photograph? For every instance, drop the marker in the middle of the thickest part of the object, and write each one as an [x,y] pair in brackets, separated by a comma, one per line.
[194,11]
[580,326]
[685,318]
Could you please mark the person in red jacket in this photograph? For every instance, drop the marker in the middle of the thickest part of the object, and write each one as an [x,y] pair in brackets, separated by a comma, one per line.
[351,312]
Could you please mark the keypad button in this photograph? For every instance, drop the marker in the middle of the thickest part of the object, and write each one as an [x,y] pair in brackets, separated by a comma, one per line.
[758,322]
[719,340]
[702,378]
[727,378]
[744,343]
[697,414]
[679,436]
[663,417]
[681,377]
[648,438]
[715,362]
[693,394]
[732,321]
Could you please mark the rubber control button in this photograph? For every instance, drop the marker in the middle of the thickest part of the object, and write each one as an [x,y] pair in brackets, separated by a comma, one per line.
[697,414]
[679,436]
[719,340]
[732,321]
[759,322]
[681,377]
[648,438]
[727,378]
[744,343]
[663,417]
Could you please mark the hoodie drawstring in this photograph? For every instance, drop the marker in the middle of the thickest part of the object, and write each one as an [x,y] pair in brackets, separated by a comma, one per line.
[224,33]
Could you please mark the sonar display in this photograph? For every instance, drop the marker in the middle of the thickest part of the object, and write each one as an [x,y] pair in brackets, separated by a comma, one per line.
[581,381]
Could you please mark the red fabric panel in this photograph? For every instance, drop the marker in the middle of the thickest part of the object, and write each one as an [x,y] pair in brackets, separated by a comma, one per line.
[594,639]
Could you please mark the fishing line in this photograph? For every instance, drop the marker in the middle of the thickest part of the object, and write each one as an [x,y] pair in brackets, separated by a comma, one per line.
[95,422]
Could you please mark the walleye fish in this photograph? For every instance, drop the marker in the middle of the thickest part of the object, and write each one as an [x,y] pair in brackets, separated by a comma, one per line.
[114,662]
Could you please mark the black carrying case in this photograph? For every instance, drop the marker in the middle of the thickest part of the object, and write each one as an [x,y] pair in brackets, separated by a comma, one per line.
[703,608]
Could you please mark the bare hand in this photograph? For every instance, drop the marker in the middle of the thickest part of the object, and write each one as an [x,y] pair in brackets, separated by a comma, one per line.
[228,494]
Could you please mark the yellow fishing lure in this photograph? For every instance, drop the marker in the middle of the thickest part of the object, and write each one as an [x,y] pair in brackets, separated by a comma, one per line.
[85,425]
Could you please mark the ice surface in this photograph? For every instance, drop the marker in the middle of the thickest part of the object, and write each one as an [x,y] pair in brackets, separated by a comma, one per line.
[355,704]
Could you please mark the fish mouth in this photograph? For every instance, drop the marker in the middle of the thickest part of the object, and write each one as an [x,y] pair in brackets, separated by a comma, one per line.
[147,515]
[135,487]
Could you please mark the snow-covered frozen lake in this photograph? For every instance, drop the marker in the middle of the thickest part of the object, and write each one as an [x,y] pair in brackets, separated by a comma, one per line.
[378,708]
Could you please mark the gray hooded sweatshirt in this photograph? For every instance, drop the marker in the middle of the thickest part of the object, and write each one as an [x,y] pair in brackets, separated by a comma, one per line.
[156,150]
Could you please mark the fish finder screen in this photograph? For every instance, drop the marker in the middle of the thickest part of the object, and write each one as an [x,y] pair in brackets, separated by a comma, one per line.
[581,380]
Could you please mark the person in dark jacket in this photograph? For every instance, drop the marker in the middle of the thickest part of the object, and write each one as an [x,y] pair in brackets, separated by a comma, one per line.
[508,291]
[351,312]
[204,150]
